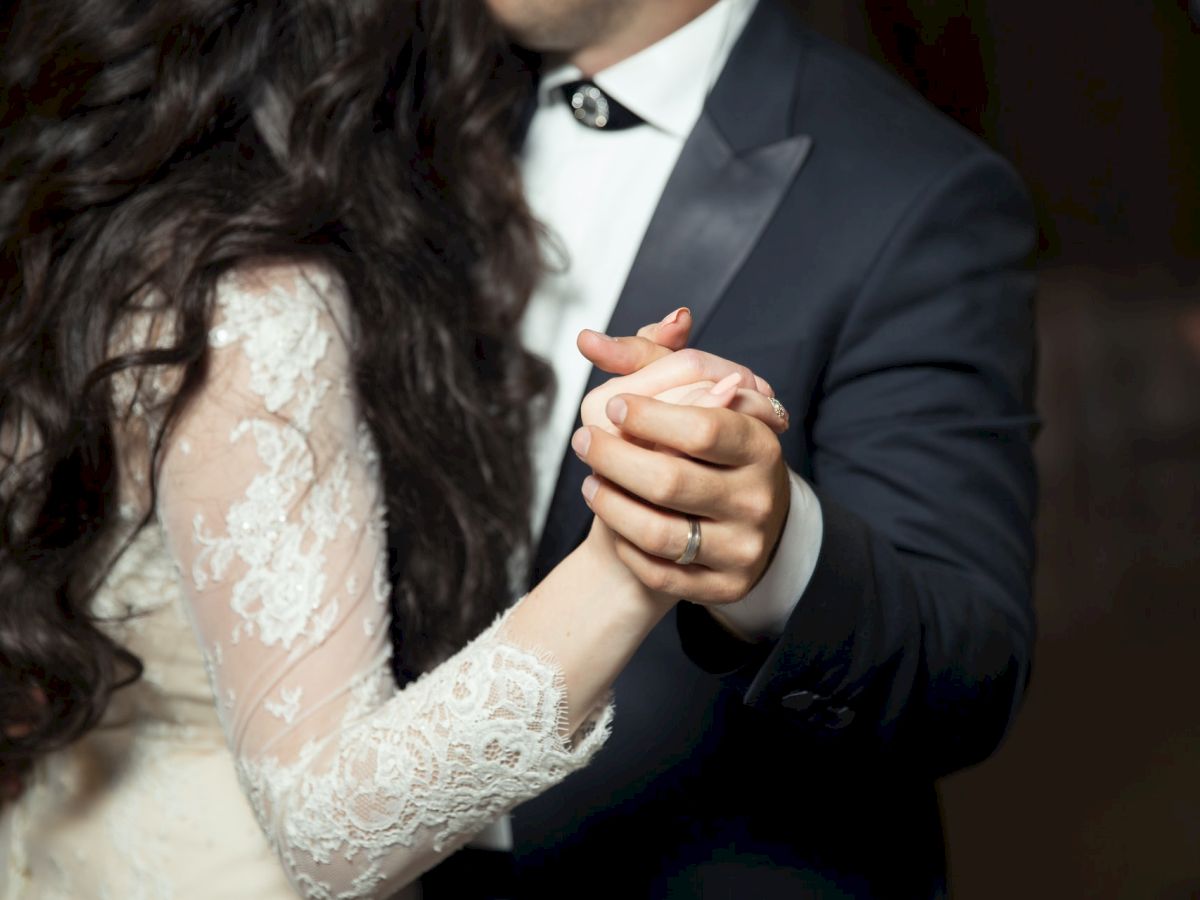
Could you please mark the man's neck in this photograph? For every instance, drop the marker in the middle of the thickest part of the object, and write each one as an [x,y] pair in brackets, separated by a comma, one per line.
[647,24]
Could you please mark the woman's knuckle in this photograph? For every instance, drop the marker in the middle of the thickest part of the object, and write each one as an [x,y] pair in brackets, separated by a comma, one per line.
[692,363]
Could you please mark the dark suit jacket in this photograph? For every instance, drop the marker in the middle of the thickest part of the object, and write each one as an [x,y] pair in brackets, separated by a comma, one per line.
[870,259]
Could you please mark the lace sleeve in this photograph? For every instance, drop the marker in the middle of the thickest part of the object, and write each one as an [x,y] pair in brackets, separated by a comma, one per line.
[271,505]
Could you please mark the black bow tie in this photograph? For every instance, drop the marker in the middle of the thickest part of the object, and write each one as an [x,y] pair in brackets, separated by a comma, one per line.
[595,109]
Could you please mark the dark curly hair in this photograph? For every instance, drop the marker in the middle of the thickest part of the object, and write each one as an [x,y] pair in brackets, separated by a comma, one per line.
[148,148]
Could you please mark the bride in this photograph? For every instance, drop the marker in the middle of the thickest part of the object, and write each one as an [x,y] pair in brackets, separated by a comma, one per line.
[262,266]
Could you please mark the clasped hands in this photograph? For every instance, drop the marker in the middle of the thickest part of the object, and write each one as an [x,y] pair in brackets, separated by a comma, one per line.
[681,433]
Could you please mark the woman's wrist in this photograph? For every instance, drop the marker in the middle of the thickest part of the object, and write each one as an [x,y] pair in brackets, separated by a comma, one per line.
[590,614]
[600,551]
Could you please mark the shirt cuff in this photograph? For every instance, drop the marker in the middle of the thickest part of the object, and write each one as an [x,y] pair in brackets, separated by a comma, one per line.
[763,612]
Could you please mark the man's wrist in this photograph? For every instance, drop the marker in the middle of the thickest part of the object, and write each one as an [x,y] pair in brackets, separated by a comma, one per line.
[763,612]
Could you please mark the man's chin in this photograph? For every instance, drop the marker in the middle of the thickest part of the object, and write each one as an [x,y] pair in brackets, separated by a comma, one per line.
[550,27]
[540,40]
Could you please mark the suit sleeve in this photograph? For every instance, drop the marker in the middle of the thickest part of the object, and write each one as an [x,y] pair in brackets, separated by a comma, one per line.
[914,635]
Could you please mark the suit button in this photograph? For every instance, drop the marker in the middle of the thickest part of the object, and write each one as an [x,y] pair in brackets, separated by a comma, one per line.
[837,718]
[801,701]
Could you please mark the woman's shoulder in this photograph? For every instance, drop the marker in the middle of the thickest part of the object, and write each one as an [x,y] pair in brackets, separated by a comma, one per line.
[277,289]
[281,313]
[287,329]
[281,329]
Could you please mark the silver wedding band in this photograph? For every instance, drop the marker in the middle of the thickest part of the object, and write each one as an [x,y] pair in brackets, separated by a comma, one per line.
[692,550]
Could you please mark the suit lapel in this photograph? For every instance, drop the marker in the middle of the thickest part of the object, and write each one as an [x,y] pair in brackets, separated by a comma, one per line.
[718,199]
[715,207]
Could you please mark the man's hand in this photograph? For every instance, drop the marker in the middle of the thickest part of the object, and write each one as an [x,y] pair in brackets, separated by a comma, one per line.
[731,477]
[625,355]
[702,457]
[628,355]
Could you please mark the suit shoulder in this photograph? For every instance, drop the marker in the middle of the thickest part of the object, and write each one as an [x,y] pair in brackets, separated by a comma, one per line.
[862,112]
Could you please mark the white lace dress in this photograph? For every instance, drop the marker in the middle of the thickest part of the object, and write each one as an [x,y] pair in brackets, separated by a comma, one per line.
[266,752]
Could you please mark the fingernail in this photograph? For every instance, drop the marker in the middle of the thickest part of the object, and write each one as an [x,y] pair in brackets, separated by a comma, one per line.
[673,317]
[580,441]
[617,410]
[590,486]
[726,385]
[600,334]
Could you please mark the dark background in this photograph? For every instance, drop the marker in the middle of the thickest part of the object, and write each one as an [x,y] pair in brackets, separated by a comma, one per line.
[1096,792]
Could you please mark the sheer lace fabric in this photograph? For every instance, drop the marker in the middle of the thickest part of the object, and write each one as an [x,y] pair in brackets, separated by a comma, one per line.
[271,516]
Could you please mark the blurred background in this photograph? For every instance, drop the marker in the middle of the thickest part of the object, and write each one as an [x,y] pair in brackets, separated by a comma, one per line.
[1096,792]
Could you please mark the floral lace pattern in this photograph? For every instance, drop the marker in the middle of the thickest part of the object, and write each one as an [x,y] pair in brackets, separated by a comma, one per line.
[270,504]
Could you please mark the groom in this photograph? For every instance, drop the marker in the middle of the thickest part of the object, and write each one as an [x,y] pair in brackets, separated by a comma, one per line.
[868,258]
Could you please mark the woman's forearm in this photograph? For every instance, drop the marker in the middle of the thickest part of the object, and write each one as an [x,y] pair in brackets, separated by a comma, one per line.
[590,614]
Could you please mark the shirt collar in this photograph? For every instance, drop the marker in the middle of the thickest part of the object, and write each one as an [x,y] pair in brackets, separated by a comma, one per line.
[667,83]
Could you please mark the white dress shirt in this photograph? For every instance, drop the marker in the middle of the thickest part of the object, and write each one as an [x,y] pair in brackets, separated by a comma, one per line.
[596,192]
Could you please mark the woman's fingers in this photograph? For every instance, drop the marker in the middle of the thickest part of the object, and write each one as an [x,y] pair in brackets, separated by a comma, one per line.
[759,406]
[678,368]
[750,403]
[672,332]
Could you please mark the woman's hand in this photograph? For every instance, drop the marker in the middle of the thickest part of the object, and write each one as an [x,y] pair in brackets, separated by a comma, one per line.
[653,364]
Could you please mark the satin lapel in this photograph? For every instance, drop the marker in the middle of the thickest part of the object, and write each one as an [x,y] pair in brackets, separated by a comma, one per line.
[718,200]
[715,207]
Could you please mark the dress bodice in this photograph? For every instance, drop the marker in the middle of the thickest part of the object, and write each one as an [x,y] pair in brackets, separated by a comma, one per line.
[148,805]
